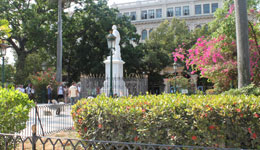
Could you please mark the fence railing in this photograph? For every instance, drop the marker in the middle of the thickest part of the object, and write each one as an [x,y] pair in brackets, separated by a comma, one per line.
[135,85]
[8,141]
[48,118]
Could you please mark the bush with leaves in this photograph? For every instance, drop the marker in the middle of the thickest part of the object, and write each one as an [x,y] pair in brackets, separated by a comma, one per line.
[211,120]
[248,90]
[14,109]
[40,82]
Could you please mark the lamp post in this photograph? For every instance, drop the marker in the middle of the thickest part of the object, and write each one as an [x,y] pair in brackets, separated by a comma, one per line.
[44,66]
[2,54]
[175,70]
[111,45]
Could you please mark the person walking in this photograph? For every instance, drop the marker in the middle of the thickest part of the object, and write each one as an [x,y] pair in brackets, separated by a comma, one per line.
[49,91]
[32,92]
[28,90]
[66,93]
[79,88]
[60,92]
[73,93]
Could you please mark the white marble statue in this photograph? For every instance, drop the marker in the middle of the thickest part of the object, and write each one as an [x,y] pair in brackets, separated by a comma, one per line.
[117,54]
[118,83]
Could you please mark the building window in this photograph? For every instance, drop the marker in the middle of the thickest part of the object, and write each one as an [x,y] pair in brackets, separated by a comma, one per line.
[214,7]
[177,11]
[126,14]
[198,26]
[144,14]
[119,15]
[206,8]
[197,9]
[144,34]
[151,14]
[186,10]
[151,30]
[169,12]
[133,15]
[158,13]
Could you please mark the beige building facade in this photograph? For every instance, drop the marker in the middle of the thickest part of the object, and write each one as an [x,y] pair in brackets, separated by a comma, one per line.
[147,15]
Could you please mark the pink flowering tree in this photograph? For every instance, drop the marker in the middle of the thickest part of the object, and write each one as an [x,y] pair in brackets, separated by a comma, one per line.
[215,57]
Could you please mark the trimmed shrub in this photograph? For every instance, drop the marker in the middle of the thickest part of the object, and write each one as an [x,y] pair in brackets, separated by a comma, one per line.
[14,109]
[248,90]
[211,120]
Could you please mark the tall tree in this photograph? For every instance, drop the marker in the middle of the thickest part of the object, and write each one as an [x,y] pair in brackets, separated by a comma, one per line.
[31,24]
[59,44]
[243,61]
[158,48]
[61,3]
[85,45]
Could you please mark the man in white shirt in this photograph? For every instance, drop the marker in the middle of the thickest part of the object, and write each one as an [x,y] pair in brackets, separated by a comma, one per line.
[73,93]
[22,89]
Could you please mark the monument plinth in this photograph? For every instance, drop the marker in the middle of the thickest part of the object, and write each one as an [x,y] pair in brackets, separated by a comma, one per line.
[118,84]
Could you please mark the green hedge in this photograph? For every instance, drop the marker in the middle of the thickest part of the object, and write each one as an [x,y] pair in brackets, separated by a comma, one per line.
[14,109]
[211,120]
[248,90]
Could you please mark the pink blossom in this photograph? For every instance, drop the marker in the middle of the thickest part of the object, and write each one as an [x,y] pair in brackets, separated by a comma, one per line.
[252,10]
[193,72]
[226,70]
[231,9]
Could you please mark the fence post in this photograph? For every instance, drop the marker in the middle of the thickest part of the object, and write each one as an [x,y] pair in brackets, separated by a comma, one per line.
[34,127]
[34,137]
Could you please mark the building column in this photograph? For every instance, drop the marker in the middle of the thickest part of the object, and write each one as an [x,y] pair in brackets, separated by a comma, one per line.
[194,79]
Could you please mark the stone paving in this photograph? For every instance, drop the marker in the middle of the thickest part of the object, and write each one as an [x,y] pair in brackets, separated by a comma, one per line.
[51,120]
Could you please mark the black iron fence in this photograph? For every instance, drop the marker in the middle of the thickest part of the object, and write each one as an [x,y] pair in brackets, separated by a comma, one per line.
[48,119]
[92,85]
[8,142]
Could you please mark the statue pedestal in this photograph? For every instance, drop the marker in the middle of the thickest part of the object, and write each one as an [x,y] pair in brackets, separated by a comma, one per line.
[118,83]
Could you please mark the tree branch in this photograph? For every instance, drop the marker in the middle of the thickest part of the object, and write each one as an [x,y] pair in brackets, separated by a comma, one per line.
[254,35]
[16,48]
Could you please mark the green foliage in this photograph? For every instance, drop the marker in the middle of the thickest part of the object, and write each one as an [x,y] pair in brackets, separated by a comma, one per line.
[37,39]
[4,29]
[85,40]
[28,35]
[35,62]
[248,90]
[9,73]
[14,110]
[162,41]
[40,81]
[211,120]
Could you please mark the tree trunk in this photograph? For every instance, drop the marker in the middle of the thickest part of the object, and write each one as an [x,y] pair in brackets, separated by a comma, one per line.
[59,43]
[242,43]
[21,75]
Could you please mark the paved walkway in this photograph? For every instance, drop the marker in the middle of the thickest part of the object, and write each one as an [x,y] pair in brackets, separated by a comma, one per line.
[51,122]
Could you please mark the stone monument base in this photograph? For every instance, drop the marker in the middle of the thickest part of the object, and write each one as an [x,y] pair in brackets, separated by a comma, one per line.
[118,84]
